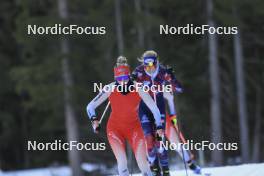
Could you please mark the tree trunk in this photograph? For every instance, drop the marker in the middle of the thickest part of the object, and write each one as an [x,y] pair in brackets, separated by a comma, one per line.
[71,123]
[119,29]
[257,131]
[241,98]
[216,127]
[147,22]
[140,29]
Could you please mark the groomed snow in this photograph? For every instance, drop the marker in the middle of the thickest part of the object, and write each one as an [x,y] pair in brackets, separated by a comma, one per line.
[240,170]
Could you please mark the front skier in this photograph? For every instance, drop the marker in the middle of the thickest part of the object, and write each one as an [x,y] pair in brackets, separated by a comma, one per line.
[123,123]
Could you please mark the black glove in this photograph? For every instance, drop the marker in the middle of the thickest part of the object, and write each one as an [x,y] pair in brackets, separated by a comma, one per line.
[133,77]
[169,69]
[159,133]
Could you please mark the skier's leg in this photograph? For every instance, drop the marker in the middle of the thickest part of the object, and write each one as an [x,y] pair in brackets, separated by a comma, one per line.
[148,130]
[152,154]
[137,141]
[163,157]
[117,144]
[163,153]
[150,142]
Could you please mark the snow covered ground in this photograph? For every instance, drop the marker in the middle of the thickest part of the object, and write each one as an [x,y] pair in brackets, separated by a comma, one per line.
[240,170]
[54,171]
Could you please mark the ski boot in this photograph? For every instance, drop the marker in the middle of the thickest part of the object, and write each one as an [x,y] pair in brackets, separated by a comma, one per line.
[195,168]
[155,169]
[165,171]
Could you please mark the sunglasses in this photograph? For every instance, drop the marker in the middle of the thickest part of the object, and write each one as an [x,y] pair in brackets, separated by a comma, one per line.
[122,78]
[149,61]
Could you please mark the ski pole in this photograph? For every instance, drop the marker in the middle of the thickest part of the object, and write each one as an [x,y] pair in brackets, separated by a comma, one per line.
[183,157]
[100,121]
[182,139]
[106,108]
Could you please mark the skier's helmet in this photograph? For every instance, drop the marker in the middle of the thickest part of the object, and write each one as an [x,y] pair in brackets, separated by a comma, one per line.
[122,70]
[150,61]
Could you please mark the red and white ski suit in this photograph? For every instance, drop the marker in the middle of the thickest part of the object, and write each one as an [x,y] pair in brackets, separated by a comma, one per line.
[124,125]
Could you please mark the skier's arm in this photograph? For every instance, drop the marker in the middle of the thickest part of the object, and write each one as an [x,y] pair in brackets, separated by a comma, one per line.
[170,77]
[98,100]
[170,99]
[152,106]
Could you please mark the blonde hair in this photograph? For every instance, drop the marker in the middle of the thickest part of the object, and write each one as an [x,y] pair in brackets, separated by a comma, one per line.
[148,53]
[121,60]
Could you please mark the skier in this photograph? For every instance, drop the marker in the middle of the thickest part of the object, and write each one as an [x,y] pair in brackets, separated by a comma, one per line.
[175,136]
[152,73]
[123,123]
